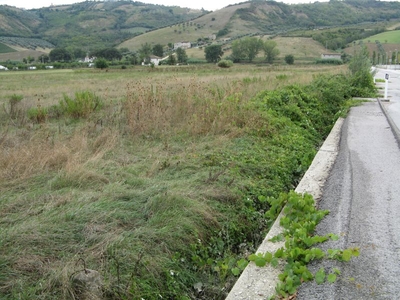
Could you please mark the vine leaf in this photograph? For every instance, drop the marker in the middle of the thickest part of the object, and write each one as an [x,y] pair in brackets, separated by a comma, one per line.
[320,276]
[332,278]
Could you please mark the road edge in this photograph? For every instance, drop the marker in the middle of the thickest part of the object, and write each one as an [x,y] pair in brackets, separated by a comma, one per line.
[259,283]
[393,127]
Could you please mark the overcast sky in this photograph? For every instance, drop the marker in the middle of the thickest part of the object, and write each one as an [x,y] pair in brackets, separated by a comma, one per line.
[206,4]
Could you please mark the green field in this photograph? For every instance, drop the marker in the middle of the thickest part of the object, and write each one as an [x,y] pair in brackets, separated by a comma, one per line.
[5,49]
[157,179]
[388,37]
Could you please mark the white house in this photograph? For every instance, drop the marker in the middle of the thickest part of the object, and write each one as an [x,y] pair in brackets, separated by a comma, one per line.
[183,45]
[331,56]
[3,68]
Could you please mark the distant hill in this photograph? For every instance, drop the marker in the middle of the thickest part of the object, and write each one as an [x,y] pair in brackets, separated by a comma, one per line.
[273,18]
[92,25]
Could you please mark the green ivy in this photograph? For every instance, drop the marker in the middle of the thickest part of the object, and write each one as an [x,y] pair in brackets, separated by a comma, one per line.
[299,222]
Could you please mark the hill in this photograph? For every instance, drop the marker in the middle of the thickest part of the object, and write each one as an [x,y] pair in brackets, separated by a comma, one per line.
[90,25]
[275,18]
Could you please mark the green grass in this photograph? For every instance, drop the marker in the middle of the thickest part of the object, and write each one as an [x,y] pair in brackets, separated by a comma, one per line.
[5,49]
[388,37]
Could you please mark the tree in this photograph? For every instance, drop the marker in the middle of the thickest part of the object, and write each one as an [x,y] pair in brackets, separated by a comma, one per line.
[289,59]
[44,58]
[171,59]
[145,52]
[361,78]
[108,53]
[270,50]
[60,54]
[213,53]
[101,63]
[158,50]
[181,55]
[238,51]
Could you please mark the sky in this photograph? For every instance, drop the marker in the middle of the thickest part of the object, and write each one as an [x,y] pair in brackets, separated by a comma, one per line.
[206,4]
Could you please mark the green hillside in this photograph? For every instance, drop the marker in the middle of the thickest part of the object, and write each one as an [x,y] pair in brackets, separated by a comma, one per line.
[334,24]
[388,37]
[5,49]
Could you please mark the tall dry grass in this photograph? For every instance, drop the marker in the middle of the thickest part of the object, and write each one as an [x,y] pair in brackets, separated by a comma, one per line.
[28,152]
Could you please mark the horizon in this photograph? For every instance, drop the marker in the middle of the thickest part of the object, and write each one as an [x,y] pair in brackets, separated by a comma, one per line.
[207,4]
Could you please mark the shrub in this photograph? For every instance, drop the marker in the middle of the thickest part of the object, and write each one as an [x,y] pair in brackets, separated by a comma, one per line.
[289,59]
[225,63]
[82,106]
[101,63]
[38,114]
[329,61]
[14,103]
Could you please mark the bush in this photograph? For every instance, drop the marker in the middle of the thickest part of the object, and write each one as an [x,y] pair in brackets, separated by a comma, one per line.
[14,103]
[225,63]
[82,106]
[289,59]
[101,63]
[38,114]
[329,61]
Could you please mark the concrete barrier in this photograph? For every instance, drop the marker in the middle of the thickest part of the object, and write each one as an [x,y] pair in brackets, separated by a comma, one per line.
[259,283]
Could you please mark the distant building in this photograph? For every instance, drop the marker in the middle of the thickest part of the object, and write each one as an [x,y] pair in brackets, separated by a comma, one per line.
[183,45]
[331,56]
[3,68]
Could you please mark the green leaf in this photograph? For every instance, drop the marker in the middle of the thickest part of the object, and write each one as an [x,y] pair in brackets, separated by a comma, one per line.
[320,276]
[346,255]
[253,257]
[279,253]
[355,251]
[274,262]
[333,237]
[242,264]
[332,278]
[268,256]
[336,271]
[260,262]
[236,271]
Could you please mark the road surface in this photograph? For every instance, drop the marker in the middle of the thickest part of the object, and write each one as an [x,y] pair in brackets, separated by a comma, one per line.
[363,196]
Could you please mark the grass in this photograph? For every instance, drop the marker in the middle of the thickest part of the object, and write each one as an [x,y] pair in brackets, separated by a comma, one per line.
[390,37]
[140,187]
[5,49]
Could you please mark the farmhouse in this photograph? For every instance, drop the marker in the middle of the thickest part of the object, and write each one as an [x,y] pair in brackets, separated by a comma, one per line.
[183,45]
[331,56]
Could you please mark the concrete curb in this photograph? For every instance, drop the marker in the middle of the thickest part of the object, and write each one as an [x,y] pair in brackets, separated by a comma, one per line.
[395,129]
[259,283]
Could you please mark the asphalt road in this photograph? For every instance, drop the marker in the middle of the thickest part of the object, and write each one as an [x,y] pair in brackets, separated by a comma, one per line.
[363,196]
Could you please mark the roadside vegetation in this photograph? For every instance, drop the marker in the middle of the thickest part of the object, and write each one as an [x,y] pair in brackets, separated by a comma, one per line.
[156,179]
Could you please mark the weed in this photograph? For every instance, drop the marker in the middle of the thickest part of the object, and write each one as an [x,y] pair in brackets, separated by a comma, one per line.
[82,106]
[300,218]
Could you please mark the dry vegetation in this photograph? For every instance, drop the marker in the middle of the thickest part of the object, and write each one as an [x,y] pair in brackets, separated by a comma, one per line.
[107,191]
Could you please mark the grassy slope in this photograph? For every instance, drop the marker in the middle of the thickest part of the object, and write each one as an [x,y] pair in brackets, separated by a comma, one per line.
[389,37]
[6,49]
[108,192]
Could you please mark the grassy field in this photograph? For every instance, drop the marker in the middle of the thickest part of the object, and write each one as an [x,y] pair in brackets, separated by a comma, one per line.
[388,37]
[138,184]
[5,49]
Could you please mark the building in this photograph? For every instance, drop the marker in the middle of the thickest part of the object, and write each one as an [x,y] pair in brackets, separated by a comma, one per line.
[331,56]
[183,45]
